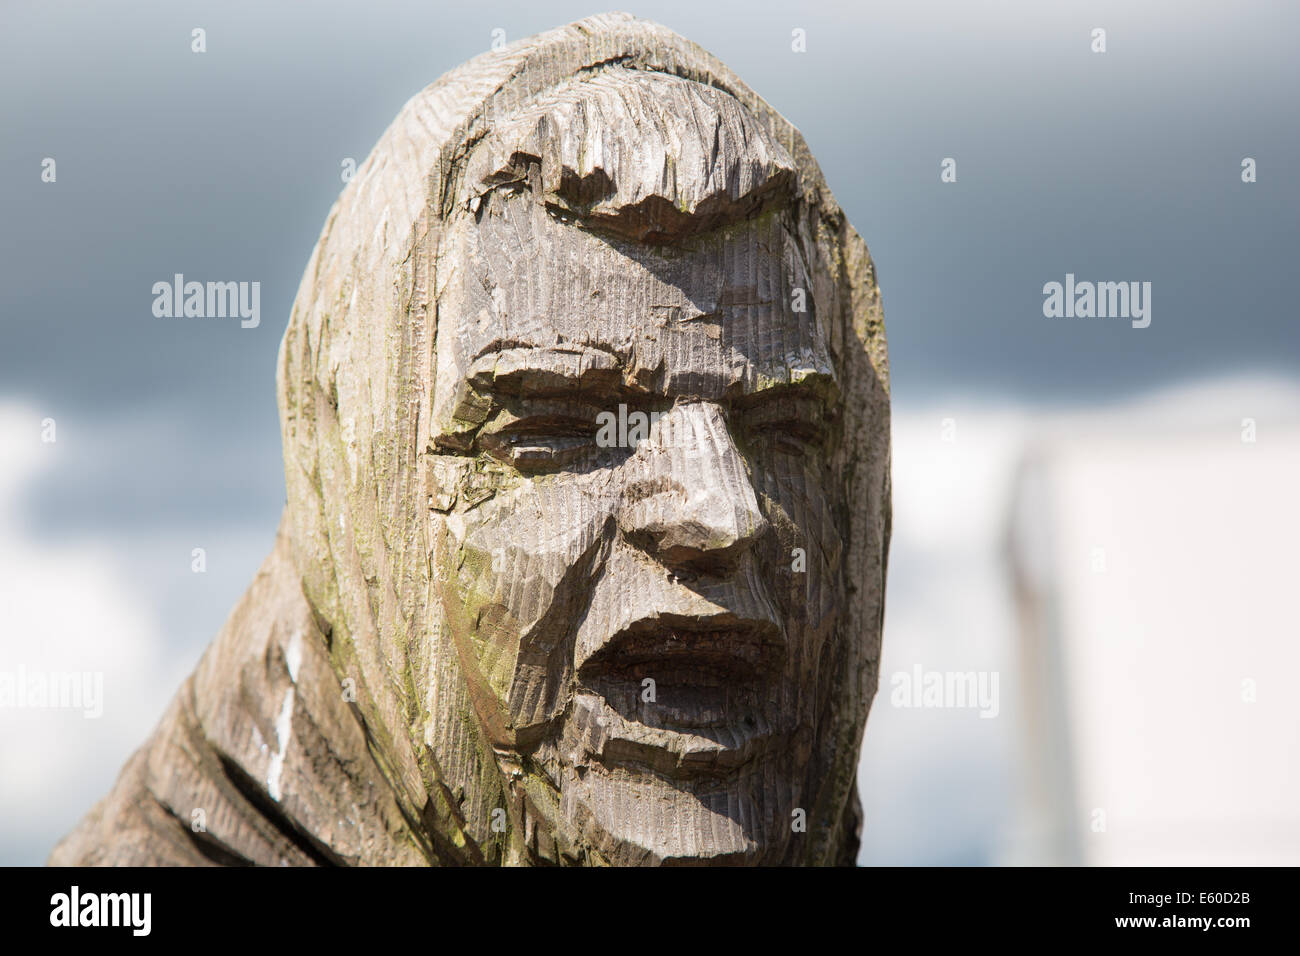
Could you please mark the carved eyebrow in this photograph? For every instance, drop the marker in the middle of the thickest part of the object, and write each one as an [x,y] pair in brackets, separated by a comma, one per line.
[820,386]
[543,370]
[507,367]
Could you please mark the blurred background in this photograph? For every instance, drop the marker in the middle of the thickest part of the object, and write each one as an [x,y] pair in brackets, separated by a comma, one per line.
[1090,637]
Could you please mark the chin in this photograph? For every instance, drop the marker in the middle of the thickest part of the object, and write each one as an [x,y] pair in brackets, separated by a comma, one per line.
[635,817]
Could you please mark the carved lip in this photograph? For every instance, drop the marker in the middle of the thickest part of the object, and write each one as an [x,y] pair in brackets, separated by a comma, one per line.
[719,650]
[605,734]
[708,707]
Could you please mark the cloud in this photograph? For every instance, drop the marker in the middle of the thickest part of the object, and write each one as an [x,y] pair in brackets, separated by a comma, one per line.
[103,596]
[942,786]
[68,608]
[935,783]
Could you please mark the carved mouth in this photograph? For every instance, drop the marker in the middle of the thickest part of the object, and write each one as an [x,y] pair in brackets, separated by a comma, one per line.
[682,694]
[716,651]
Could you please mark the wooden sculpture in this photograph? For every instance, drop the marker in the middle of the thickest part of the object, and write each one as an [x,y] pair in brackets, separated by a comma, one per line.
[585,412]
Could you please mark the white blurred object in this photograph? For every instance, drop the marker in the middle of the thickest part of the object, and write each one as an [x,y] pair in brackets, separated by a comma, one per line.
[1154,553]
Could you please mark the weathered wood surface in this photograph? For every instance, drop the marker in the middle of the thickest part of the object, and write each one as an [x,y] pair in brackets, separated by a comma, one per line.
[585,405]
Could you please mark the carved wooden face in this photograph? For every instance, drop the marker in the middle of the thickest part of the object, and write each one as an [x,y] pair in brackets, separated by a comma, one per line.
[636,531]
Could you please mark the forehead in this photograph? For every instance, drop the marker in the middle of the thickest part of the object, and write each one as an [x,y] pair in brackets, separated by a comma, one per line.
[716,315]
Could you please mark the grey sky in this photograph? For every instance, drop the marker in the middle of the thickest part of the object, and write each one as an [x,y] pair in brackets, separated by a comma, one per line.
[223,165]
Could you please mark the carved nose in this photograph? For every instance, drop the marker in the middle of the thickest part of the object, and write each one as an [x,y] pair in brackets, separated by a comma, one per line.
[691,504]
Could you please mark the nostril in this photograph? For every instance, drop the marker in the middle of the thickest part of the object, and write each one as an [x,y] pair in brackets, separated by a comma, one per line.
[688,563]
[692,541]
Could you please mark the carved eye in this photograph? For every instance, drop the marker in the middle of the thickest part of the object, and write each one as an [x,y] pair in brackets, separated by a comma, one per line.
[539,444]
[794,427]
[793,438]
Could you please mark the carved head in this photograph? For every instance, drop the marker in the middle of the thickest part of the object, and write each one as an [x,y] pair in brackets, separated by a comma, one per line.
[586,422]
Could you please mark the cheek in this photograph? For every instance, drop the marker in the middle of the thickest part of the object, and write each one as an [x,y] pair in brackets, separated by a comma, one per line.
[804,558]
[519,563]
